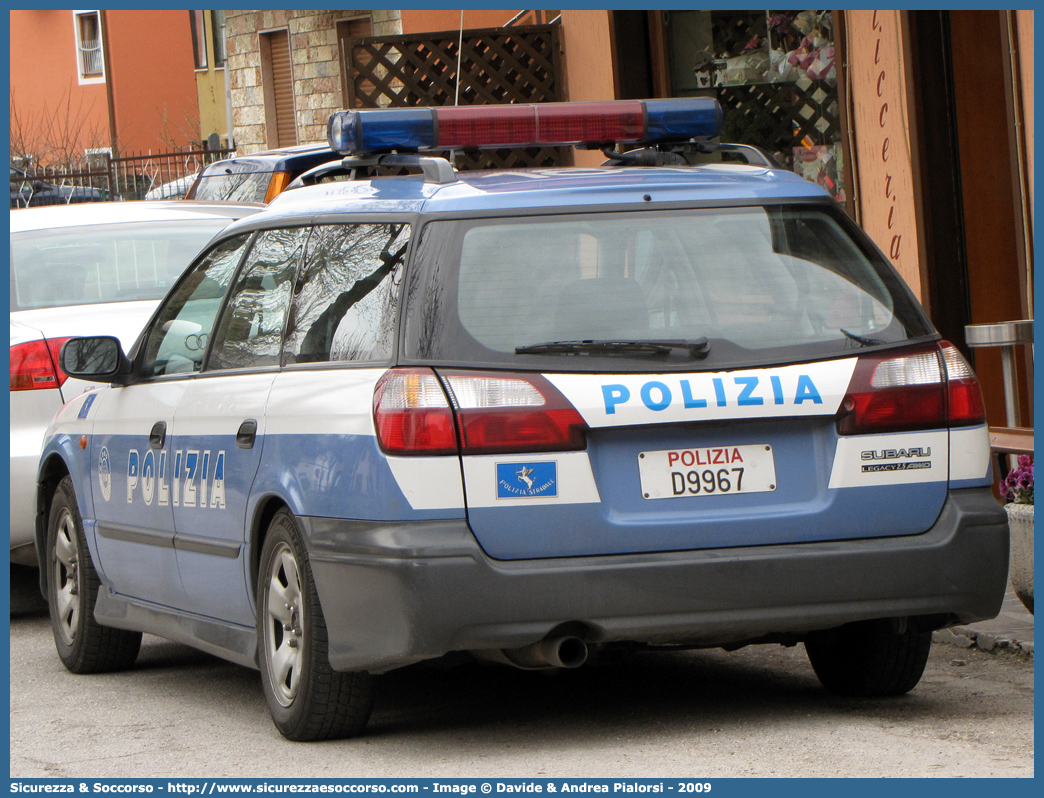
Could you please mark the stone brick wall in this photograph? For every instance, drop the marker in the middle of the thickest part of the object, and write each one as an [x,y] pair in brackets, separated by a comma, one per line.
[314,61]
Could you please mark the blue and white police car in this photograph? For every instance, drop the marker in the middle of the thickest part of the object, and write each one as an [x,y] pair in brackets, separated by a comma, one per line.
[529,415]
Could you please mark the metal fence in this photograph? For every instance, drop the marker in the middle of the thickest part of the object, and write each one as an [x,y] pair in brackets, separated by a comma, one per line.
[165,175]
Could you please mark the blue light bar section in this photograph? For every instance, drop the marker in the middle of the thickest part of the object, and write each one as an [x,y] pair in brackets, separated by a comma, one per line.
[381,130]
[683,119]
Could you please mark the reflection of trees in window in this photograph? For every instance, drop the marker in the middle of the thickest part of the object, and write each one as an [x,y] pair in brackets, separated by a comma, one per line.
[234,186]
[92,356]
[346,306]
[425,316]
[251,328]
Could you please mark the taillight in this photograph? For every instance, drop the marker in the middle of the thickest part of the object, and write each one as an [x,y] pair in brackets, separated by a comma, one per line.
[412,414]
[495,413]
[500,413]
[34,365]
[930,388]
[965,398]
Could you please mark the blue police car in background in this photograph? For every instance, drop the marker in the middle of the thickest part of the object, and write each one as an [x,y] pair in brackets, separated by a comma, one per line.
[528,415]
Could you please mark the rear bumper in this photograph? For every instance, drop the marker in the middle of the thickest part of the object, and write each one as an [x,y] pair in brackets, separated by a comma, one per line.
[26,443]
[393,594]
[23,505]
[31,413]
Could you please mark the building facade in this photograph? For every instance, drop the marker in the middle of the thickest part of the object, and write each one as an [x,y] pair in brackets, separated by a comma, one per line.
[285,71]
[84,81]
[212,81]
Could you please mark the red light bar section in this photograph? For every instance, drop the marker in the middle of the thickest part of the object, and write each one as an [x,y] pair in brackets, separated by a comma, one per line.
[496,125]
[551,124]
[590,122]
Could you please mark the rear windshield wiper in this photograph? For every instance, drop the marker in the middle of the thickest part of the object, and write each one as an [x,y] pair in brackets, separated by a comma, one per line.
[697,347]
[859,339]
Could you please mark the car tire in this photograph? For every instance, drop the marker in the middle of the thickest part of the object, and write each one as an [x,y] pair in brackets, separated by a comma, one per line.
[870,658]
[84,645]
[308,700]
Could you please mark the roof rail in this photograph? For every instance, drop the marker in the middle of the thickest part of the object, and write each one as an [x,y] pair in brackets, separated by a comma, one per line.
[436,170]
[748,151]
[673,155]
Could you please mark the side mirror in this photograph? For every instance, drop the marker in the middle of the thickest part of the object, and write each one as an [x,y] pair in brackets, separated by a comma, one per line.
[98,358]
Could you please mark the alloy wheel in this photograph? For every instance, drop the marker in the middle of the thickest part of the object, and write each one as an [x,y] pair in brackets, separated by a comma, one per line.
[284,629]
[65,577]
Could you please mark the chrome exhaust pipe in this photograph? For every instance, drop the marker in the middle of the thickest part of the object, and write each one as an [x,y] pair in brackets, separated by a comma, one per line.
[565,652]
[551,652]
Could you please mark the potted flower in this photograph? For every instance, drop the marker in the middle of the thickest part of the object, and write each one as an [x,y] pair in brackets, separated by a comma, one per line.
[1017,490]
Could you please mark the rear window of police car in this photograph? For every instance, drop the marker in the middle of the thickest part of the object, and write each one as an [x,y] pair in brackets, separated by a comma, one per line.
[757,282]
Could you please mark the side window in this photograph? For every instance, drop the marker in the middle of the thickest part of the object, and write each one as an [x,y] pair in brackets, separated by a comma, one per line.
[251,328]
[178,338]
[344,309]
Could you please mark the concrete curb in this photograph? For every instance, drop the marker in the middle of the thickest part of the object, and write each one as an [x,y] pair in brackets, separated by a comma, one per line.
[962,637]
[1010,633]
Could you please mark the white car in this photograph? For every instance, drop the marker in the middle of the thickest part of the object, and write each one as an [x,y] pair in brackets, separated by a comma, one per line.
[85,270]
[175,189]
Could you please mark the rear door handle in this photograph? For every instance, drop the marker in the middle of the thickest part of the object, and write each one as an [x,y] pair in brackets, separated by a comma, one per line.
[246,435]
[158,436]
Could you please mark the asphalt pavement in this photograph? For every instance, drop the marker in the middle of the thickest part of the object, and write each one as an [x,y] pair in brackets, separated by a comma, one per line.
[755,712]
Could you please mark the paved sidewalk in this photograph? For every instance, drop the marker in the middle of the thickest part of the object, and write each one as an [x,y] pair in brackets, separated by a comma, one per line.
[1011,630]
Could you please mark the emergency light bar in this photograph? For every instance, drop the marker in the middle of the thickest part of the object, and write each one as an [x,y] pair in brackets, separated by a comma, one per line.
[538,125]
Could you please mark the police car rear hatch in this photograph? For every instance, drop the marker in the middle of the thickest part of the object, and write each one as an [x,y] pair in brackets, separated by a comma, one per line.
[561,465]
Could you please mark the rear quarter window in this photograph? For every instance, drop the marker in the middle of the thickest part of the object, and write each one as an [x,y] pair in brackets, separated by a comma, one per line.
[346,302]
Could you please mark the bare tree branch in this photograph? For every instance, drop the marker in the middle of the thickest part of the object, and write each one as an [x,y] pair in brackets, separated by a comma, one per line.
[176,134]
[56,137]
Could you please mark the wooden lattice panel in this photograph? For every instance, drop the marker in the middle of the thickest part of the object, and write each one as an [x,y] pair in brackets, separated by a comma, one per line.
[732,30]
[520,64]
[779,116]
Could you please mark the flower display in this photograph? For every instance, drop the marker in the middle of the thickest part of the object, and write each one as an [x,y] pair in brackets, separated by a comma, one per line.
[1017,487]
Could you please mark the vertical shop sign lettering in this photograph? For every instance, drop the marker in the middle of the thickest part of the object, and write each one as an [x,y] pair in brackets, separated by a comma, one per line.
[882,115]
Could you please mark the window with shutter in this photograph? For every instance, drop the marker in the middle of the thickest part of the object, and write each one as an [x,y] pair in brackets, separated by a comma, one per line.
[277,75]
